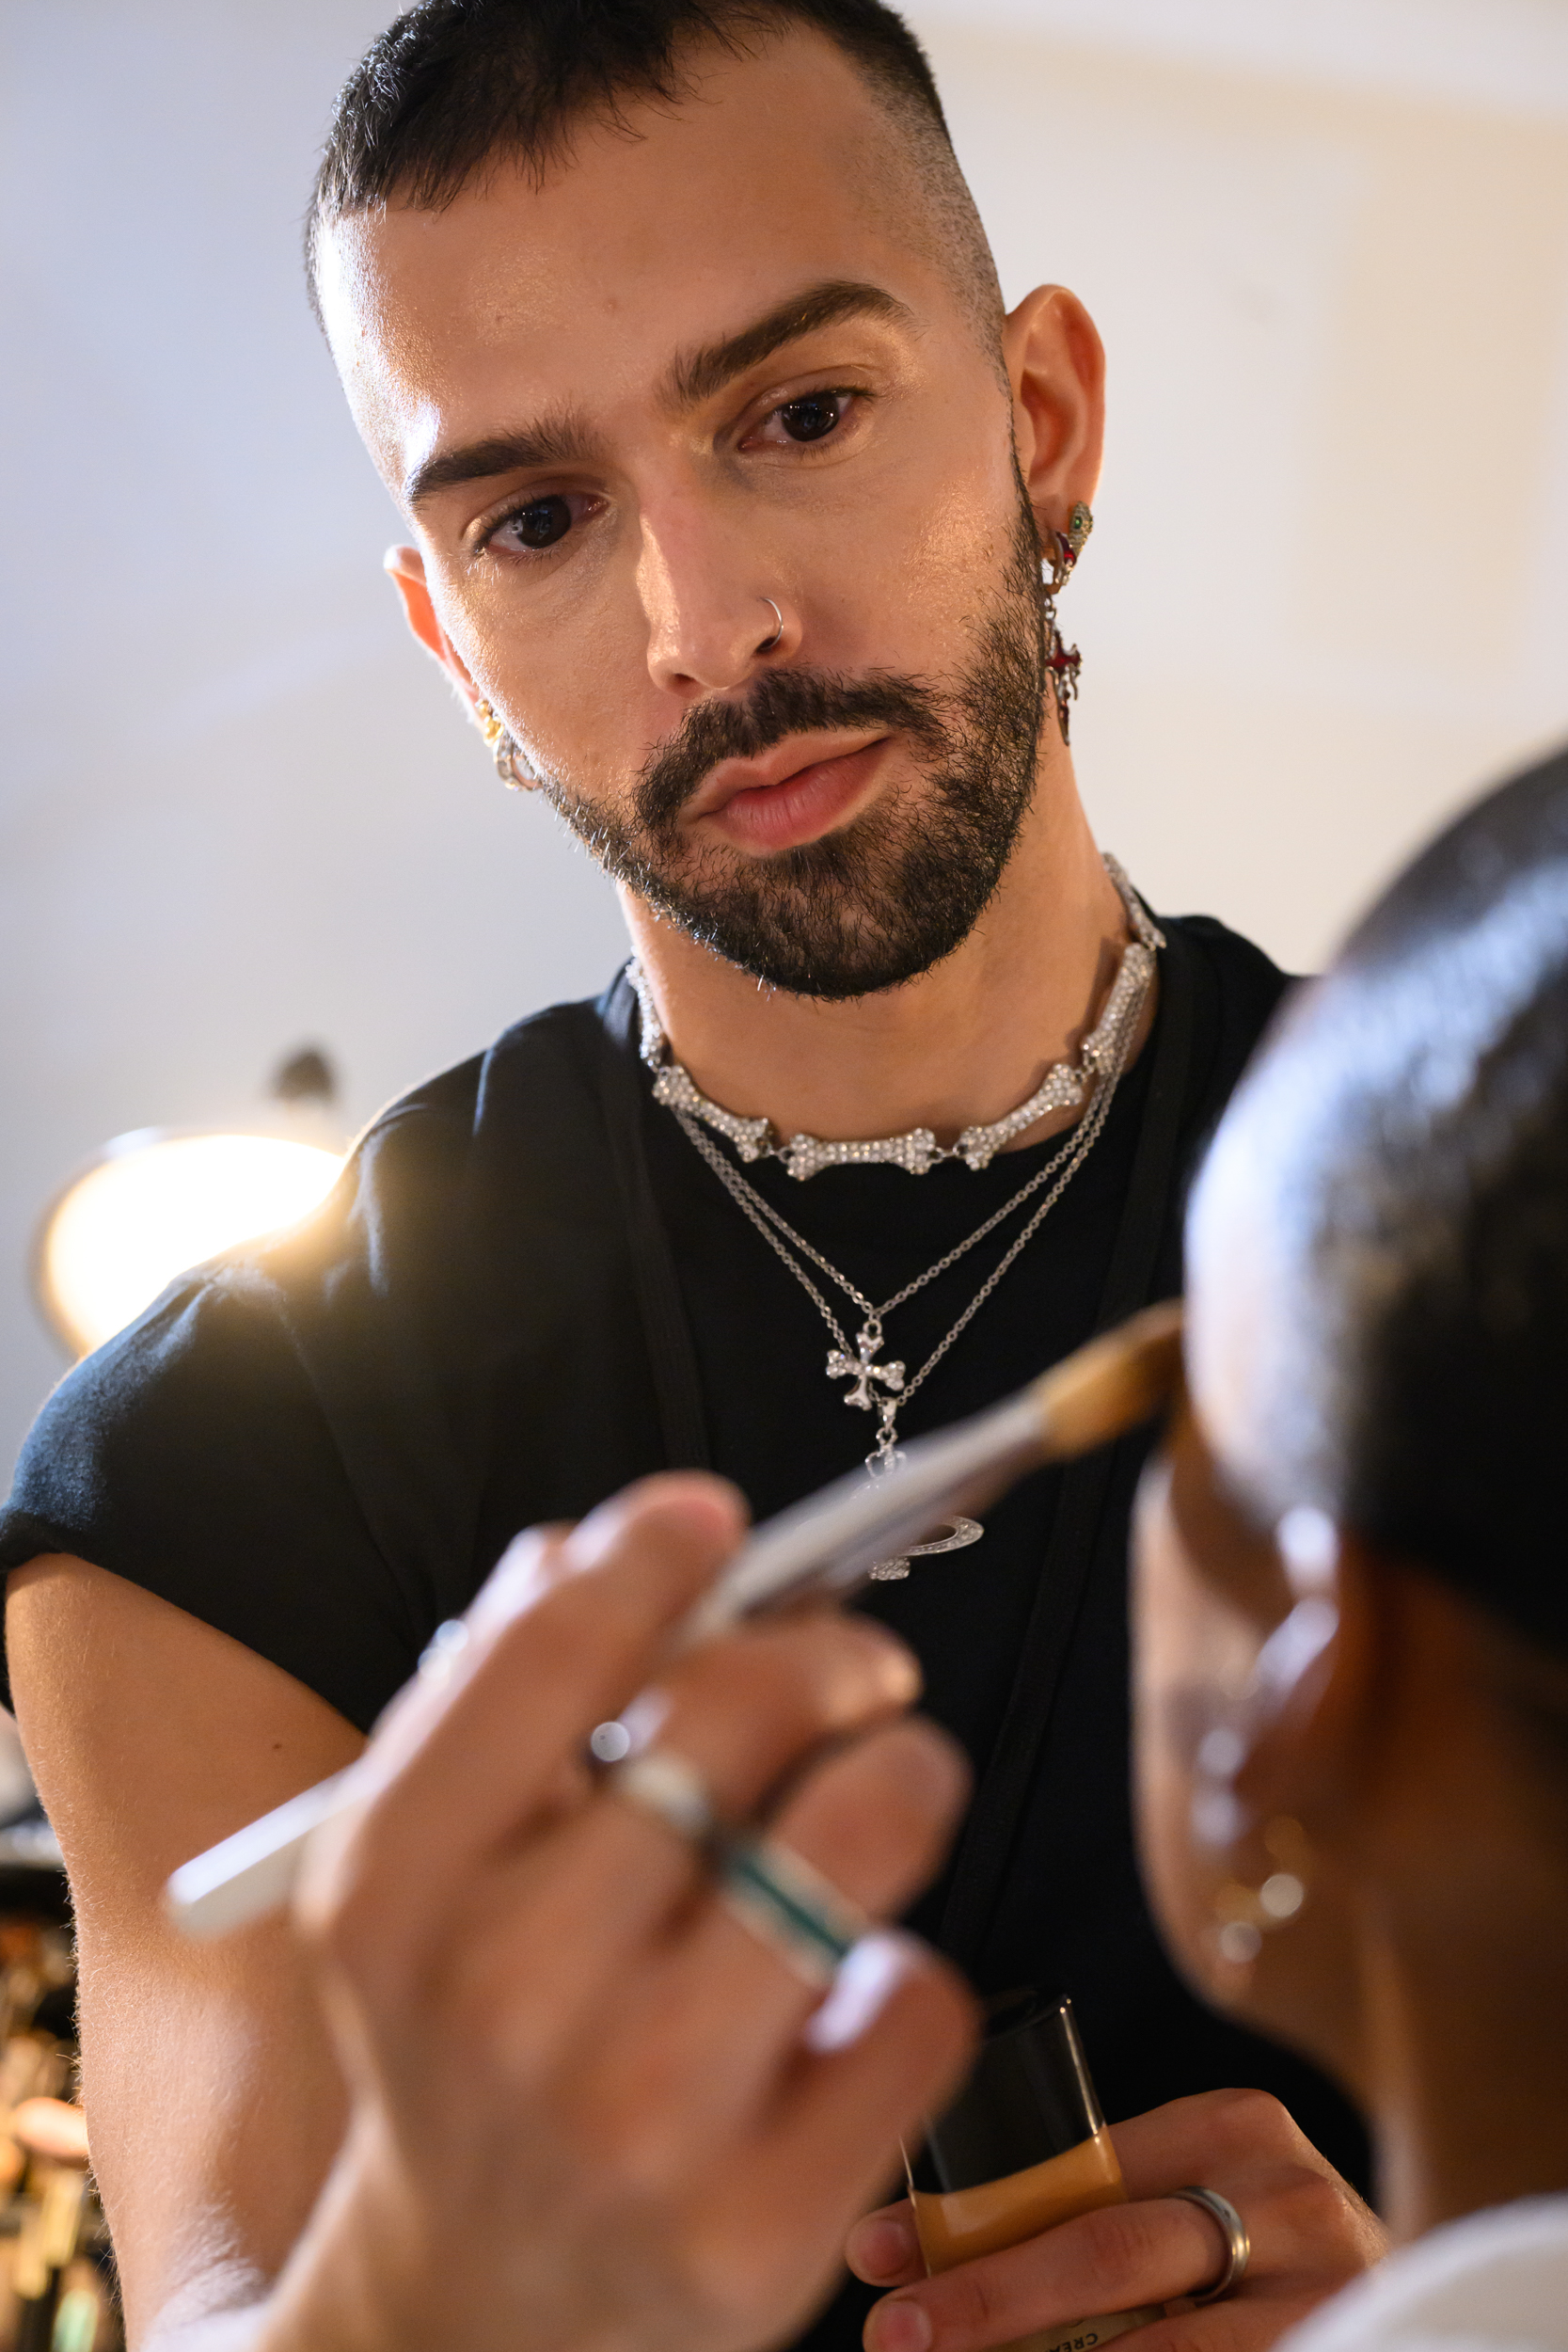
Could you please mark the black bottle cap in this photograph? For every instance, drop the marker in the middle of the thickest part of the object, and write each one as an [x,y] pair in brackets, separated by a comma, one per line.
[1029,2097]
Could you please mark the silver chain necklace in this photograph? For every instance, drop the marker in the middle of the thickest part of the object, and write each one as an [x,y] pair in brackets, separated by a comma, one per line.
[885,1389]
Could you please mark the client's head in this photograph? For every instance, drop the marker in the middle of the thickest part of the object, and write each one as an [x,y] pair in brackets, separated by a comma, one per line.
[1353,1554]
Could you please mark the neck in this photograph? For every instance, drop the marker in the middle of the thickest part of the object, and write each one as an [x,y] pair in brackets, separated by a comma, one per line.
[1469,2099]
[958,1046]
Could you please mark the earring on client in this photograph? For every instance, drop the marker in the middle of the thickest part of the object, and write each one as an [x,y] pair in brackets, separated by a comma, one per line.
[513,770]
[1244,1914]
[1063,660]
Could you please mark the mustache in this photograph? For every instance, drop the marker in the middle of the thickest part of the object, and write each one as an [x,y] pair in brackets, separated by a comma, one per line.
[780,704]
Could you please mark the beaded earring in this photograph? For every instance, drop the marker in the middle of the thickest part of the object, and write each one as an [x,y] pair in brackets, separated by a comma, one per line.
[1244,1914]
[513,770]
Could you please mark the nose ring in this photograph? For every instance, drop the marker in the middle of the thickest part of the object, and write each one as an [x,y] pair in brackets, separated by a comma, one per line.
[768,643]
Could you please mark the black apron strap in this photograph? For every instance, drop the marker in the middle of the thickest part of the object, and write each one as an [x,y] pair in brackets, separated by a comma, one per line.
[672,1356]
[986,1848]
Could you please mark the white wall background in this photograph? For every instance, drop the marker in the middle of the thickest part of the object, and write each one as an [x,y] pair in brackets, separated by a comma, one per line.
[1327,596]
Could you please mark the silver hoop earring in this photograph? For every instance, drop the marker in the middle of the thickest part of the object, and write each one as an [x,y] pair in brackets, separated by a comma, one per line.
[768,643]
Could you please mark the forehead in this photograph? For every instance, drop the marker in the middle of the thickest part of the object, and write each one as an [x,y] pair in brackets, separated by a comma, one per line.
[778,171]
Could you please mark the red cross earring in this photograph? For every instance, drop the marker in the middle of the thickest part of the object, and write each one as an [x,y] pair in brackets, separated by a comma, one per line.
[1063,660]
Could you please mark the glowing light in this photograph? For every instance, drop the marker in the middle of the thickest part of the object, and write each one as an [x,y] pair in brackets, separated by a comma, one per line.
[155,1205]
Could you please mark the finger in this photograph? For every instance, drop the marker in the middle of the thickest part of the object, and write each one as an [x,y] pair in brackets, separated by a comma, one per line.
[702,2044]
[1309,2230]
[874,1822]
[882,2248]
[1227,2129]
[1118,2259]
[748,1710]
[832,2137]
[566,1632]
[542,1935]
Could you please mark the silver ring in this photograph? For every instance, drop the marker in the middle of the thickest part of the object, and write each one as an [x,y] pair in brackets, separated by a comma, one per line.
[768,643]
[668,1789]
[784,1902]
[1237,2245]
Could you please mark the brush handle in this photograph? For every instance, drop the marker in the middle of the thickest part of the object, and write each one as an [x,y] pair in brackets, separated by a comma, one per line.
[830,1543]
[252,1872]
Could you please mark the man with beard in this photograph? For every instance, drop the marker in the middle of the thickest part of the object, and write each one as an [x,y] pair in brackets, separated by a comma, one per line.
[674,331]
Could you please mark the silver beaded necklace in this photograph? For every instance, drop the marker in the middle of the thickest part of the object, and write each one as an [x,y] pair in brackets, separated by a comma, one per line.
[886,1388]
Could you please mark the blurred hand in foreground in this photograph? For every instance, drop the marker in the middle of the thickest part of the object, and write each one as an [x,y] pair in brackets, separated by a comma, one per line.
[589,2105]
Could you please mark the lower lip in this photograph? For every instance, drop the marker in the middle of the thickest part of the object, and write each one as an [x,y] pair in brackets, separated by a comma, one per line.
[813,801]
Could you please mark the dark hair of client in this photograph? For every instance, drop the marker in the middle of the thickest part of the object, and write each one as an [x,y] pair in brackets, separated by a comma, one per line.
[454,87]
[1417,1104]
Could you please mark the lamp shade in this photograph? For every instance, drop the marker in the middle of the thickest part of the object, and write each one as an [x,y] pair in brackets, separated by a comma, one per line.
[154,1204]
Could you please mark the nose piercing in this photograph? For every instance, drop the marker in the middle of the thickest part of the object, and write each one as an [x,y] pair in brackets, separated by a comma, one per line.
[768,643]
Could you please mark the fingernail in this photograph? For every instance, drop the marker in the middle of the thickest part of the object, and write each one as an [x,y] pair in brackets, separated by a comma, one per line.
[524,1573]
[866,1981]
[880,2246]
[897,1664]
[704,1510]
[898,2326]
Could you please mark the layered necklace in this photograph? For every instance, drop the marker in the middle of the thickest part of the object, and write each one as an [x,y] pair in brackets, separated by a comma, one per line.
[885,1387]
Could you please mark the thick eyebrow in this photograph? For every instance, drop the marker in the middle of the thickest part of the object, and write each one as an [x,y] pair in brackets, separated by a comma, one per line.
[562,439]
[693,376]
[696,375]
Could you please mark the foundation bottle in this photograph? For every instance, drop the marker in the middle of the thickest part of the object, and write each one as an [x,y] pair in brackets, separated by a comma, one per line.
[1023,2147]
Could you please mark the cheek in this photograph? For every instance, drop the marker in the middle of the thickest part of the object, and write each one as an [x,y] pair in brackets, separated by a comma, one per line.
[1191,1660]
[576,684]
[956,543]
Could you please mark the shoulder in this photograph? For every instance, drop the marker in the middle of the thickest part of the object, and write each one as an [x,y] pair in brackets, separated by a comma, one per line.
[1497,2281]
[1233,991]
[538,1081]
[293,1414]
[1247,984]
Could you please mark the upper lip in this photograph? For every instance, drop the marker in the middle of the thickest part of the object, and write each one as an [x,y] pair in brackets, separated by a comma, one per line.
[788,758]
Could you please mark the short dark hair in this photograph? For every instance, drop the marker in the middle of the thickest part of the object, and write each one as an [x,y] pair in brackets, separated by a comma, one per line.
[1414,1115]
[455,86]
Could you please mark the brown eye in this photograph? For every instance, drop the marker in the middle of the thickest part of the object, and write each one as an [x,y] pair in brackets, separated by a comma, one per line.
[541,523]
[811,417]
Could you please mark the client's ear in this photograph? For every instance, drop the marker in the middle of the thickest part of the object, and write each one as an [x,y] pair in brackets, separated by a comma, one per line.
[1281,1948]
[1317,1679]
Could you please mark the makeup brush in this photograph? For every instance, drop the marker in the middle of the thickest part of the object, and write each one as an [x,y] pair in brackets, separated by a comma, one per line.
[822,1548]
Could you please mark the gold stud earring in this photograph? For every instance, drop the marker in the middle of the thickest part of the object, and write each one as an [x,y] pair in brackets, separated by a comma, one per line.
[516,772]
[1244,1914]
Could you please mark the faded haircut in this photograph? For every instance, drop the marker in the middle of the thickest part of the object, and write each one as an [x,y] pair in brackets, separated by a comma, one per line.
[1409,1123]
[455,89]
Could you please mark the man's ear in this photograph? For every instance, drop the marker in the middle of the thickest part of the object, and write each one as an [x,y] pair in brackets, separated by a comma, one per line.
[405,567]
[1055,364]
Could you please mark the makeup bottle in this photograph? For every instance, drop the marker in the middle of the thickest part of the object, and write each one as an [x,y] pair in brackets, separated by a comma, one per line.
[1023,2147]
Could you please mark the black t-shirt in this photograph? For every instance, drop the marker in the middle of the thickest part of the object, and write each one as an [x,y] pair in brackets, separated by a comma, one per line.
[529,1287]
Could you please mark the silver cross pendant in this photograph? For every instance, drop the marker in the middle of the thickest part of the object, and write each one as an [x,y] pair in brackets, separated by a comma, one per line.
[862,1371]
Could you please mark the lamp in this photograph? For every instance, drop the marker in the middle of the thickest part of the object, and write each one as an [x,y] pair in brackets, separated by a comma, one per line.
[153,1202]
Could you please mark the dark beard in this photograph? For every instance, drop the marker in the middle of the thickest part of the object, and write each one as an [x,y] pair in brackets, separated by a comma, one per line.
[902,886]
